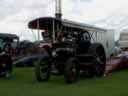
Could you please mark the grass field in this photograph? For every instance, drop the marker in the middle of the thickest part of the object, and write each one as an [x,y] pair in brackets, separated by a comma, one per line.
[24,84]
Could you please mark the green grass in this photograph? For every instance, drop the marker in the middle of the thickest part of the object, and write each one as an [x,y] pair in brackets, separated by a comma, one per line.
[24,84]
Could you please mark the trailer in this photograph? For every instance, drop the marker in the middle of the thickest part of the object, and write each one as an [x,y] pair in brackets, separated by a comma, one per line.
[123,40]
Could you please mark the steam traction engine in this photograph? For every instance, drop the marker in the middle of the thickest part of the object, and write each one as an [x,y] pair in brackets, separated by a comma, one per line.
[68,50]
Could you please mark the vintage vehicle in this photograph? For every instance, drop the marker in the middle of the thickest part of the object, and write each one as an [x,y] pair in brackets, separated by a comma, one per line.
[6,39]
[117,62]
[71,49]
[8,44]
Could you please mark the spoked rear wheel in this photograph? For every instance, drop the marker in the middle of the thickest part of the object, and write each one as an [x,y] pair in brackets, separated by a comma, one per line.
[42,69]
[99,59]
[71,71]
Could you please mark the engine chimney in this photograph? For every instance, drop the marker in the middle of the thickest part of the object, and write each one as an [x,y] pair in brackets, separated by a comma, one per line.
[58,13]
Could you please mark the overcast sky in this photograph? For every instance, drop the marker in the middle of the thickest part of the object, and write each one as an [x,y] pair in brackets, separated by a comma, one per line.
[109,14]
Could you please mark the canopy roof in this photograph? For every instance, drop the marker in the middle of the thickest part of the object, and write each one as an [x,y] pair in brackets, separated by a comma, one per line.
[8,36]
[42,23]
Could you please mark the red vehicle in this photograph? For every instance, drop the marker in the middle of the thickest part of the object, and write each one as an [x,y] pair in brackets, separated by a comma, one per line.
[116,63]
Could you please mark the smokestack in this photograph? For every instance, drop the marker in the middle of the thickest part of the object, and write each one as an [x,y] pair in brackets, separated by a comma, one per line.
[58,13]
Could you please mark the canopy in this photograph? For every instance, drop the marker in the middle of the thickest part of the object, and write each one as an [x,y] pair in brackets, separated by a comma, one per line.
[42,23]
[8,36]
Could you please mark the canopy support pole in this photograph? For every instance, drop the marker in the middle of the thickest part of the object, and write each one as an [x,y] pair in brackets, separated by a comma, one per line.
[53,32]
[38,27]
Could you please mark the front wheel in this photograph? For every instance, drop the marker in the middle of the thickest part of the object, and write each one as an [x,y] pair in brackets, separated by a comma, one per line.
[42,69]
[72,70]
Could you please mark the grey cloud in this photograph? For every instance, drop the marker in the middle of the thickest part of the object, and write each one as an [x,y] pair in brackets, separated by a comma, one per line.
[13,7]
[8,8]
[34,4]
